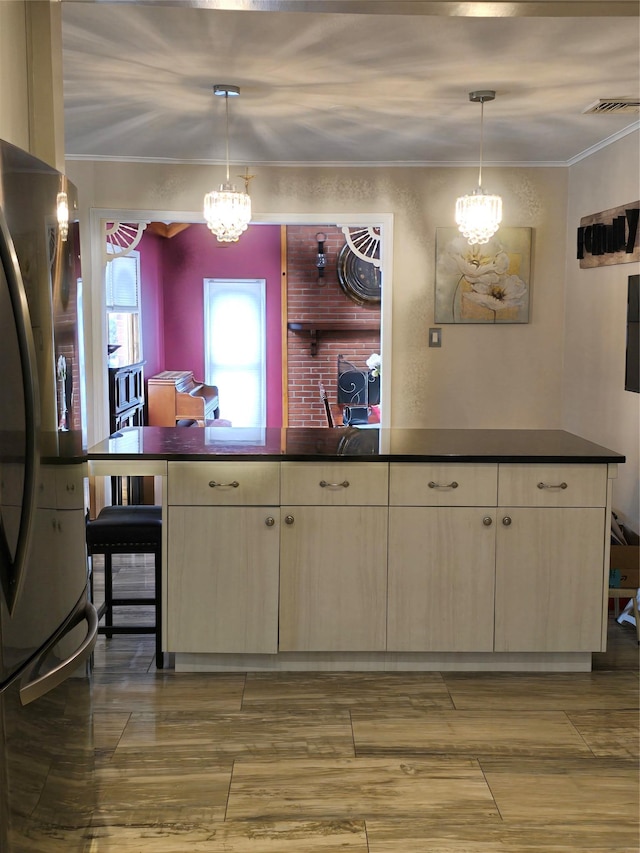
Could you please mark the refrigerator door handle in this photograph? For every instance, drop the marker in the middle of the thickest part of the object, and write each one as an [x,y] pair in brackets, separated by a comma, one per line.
[33,685]
[12,571]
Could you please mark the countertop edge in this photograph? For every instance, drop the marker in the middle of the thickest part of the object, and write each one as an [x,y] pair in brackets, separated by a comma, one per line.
[382,457]
[353,445]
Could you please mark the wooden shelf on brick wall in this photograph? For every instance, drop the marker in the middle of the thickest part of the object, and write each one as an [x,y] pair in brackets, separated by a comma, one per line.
[315,327]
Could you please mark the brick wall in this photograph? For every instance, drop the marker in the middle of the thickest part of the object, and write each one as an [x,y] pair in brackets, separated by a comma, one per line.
[65,331]
[307,301]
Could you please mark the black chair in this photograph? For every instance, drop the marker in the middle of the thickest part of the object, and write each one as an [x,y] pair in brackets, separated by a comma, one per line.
[133,529]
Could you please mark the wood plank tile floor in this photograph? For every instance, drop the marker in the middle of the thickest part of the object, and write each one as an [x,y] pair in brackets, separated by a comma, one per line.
[365,762]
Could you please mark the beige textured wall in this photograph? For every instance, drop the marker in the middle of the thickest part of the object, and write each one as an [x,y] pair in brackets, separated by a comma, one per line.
[595,403]
[484,376]
[14,90]
[31,103]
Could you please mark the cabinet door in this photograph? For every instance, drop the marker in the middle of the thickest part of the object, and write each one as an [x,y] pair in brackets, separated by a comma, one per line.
[549,579]
[441,579]
[222,579]
[333,578]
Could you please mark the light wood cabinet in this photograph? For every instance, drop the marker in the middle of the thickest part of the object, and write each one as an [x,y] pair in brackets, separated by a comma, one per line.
[223,579]
[441,556]
[333,578]
[293,558]
[550,545]
[58,547]
[223,556]
[333,557]
[441,578]
[549,579]
[535,565]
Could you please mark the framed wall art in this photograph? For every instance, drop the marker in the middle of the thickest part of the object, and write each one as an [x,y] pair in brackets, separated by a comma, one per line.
[488,283]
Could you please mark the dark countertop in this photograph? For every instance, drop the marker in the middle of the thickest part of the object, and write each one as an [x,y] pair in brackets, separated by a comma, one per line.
[349,443]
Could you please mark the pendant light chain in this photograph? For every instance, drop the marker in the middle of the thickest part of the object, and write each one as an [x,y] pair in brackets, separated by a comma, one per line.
[481,144]
[226,103]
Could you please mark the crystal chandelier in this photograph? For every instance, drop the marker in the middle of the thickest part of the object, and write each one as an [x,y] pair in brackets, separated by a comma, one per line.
[479,214]
[227,211]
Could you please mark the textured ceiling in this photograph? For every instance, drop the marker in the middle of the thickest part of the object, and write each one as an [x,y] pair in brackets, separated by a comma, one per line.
[337,88]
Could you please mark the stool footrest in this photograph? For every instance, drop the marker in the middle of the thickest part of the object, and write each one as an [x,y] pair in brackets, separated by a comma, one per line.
[133,601]
[126,629]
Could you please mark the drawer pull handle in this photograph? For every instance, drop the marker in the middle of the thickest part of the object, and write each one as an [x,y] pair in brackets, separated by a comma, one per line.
[270,521]
[487,521]
[452,485]
[552,486]
[324,485]
[506,520]
[234,484]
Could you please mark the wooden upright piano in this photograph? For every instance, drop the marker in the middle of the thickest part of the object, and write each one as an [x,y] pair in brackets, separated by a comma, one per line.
[174,395]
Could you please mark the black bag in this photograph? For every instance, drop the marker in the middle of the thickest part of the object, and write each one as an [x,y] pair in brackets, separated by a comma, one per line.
[353,415]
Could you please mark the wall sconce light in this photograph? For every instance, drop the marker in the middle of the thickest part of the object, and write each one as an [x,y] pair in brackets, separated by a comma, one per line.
[62,214]
[321,258]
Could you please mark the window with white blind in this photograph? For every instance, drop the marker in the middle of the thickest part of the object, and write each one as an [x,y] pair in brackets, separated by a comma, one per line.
[235,347]
[122,282]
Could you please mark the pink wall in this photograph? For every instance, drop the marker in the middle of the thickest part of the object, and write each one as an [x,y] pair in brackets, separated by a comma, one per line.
[187,259]
[150,248]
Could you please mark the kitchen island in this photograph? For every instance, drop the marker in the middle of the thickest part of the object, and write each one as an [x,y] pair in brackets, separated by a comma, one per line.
[377,549]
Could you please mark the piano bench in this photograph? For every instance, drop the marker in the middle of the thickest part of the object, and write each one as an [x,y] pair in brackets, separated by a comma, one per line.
[125,529]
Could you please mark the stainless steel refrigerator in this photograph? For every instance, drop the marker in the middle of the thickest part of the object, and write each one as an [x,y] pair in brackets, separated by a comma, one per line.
[48,626]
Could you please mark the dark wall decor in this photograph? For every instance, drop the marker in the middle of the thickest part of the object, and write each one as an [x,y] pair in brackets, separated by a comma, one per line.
[609,237]
[359,279]
[632,368]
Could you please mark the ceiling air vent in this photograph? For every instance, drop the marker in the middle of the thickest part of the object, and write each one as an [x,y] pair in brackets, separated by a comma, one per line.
[614,105]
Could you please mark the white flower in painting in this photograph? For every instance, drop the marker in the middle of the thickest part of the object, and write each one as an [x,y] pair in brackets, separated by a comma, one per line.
[374,363]
[509,291]
[477,263]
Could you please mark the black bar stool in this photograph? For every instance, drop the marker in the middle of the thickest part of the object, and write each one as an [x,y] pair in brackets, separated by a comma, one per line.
[126,529]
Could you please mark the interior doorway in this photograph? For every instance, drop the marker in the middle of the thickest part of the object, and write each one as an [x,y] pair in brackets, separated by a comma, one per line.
[325,340]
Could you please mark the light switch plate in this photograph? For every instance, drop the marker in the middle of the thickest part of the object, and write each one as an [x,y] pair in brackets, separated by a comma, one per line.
[435,337]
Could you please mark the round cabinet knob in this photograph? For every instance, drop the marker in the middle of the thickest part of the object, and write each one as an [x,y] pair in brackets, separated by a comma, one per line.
[289,519]
[506,520]
[270,521]
[487,521]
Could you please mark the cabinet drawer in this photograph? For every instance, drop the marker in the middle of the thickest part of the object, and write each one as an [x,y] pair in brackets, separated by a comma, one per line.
[552,485]
[224,483]
[335,483]
[427,484]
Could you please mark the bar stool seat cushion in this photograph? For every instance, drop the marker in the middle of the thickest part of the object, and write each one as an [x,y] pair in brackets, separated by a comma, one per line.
[121,526]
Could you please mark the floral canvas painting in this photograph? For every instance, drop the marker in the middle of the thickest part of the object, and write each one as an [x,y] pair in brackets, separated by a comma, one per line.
[486,283]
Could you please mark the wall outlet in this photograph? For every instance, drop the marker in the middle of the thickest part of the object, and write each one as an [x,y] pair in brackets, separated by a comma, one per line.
[435,337]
